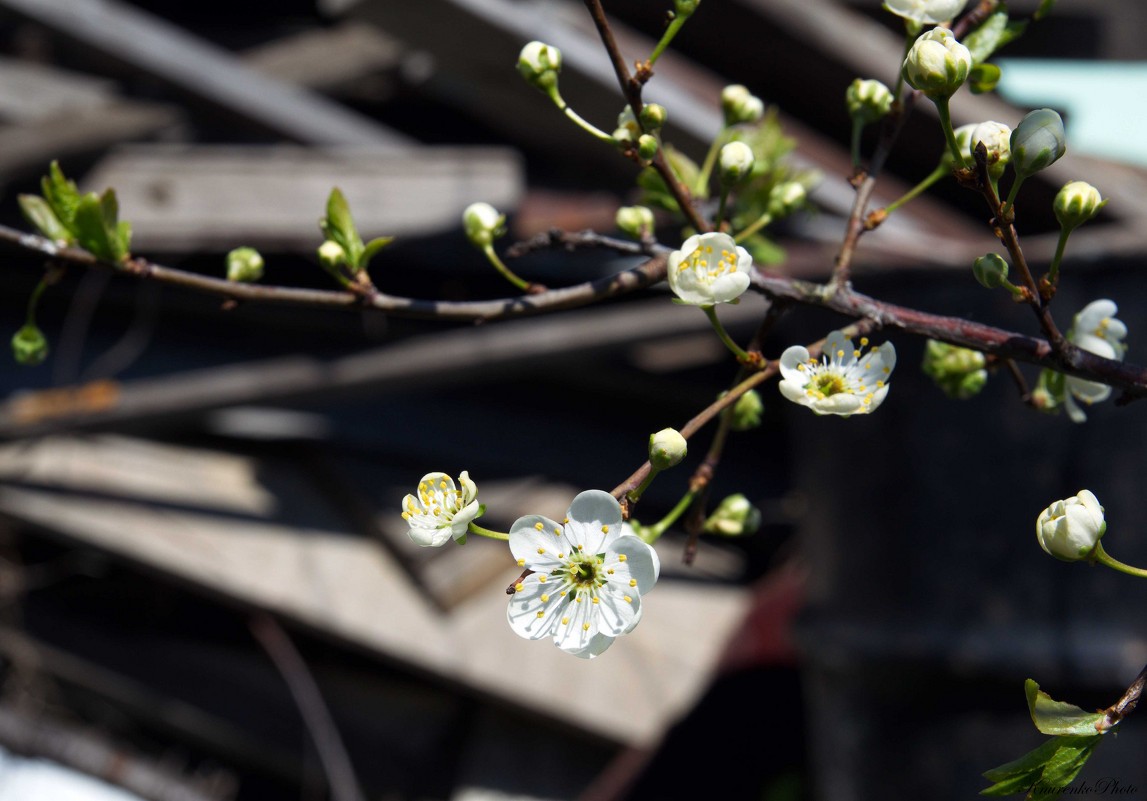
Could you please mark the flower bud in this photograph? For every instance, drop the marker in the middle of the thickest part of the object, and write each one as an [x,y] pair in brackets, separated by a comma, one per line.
[628,120]
[331,254]
[959,372]
[1070,529]
[666,448]
[635,221]
[539,64]
[1076,203]
[925,12]
[997,142]
[653,116]
[733,517]
[244,264]
[483,224]
[1037,142]
[685,8]
[990,270]
[747,411]
[647,146]
[867,100]
[786,198]
[937,64]
[29,346]
[740,105]
[736,162]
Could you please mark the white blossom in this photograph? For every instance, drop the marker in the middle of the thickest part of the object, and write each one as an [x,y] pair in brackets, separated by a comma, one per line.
[1095,330]
[709,269]
[845,381]
[589,575]
[926,12]
[1071,528]
[440,510]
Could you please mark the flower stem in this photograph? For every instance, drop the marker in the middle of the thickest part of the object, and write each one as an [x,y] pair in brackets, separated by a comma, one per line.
[474,528]
[506,272]
[1104,558]
[857,128]
[721,208]
[576,118]
[753,227]
[34,301]
[667,37]
[934,176]
[700,187]
[634,495]
[653,533]
[1053,270]
[1011,197]
[949,134]
[711,313]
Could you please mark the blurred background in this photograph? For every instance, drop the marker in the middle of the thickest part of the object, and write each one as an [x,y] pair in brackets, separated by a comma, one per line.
[206,590]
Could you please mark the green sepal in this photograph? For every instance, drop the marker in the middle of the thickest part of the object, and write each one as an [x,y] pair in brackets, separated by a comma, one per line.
[481,510]
[1058,717]
[983,78]
[39,213]
[29,345]
[97,229]
[339,226]
[371,250]
[62,195]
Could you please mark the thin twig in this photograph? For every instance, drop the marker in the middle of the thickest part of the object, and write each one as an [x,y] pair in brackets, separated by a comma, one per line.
[1127,703]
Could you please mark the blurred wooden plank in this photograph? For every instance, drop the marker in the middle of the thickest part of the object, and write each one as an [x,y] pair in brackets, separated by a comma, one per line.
[194,197]
[148,43]
[31,92]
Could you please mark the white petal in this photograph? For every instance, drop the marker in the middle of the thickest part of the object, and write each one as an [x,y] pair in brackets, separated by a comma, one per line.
[640,562]
[1076,414]
[593,515]
[793,356]
[430,537]
[842,403]
[1093,314]
[526,603]
[878,398]
[595,646]
[1094,344]
[795,392]
[839,348]
[615,615]
[729,287]
[577,626]
[469,488]
[538,548]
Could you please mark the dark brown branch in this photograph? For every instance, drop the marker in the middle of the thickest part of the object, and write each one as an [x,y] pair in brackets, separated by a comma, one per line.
[1125,705]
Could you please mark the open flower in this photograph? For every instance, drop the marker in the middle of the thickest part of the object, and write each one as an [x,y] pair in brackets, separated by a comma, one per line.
[440,510]
[846,381]
[1094,330]
[709,269]
[589,576]
[1071,528]
[926,12]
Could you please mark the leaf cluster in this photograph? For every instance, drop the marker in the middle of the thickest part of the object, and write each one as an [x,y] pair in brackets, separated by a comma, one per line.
[89,220]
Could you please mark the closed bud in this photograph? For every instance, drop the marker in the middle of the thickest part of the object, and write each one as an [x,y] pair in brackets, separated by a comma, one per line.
[996,138]
[733,517]
[539,64]
[1070,529]
[483,224]
[990,270]
[331,255]
[1037,142]
[740,105]
[244,264]
[666,448]
[786,198]
[937,64]
[653,116]
[867,100]
[647,146]
[736,162]
[1076,203]
[29,346]
[747,411]
[635,221]
[959,372]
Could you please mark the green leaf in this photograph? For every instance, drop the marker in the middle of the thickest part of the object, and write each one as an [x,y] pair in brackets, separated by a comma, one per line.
[372,248]
[685,169]
[986,39]
[1059,717]
[1050,767]
[1044,9]
[61,194]
[97,229]
[39,213]
[983,78]
[339,226]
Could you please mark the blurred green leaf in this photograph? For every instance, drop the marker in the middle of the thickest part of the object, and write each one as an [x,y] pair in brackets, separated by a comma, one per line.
[372,248]
[1044,9]
[1058,717]
[983,78]
[1044,771]
[339,226]
[986,39]
[61,194]
[39,213]
[97,229]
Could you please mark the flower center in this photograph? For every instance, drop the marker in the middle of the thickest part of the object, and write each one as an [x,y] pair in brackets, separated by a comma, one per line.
[584,572]
[828,384]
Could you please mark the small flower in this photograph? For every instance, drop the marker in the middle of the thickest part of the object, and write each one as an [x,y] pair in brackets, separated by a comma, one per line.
[588,576]
[1037,142]
[440,510]
[937,64]
[736,162]
[845,382]
[635,221]
[734,517]
[1076,203]
[540,63]
[740,105]
[667,448]
[868,100]
[747,411]
[483,224]
[1070,529]
[1095,330]
[244,264]
[709,269]
[785,198]
[926,12]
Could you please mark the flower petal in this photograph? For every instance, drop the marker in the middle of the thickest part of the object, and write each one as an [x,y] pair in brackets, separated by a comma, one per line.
[729,287]
[577,626]
[595,646]
[793,356]
[536,610]
[538,543]
[593,515]
[838,348]
[430,537]
[638,560]
[617,609]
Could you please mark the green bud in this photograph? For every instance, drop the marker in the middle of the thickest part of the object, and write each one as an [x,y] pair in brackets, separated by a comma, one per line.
[483,224]
[666,448]
[740,105]
[747,411]
[735,162]
[1037,142]
[647,146]
[733,517]
[635,221]
[653,116]
[937,64]
[786,198]
[29,346]
[685,8]
[990,270]
[958,371]
[331,255]
[539,64]
[1076,203]
[868,100]
[244,264]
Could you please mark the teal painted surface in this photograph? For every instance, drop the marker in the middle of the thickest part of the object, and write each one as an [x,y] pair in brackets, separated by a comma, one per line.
[1102,102]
